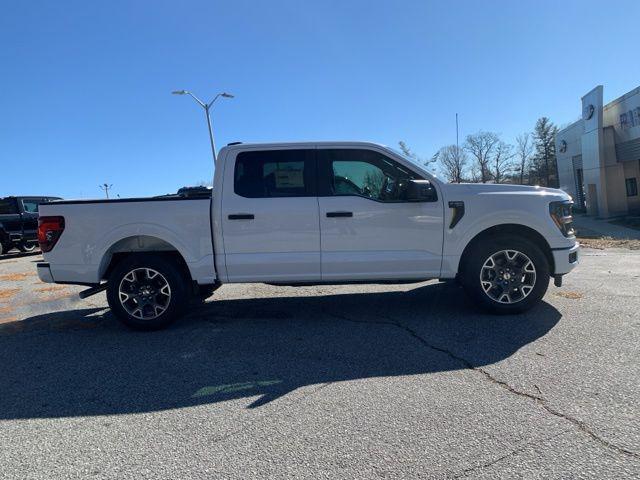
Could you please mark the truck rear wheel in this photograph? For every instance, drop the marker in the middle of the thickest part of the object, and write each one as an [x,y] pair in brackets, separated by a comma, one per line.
[147,292]
[507,274]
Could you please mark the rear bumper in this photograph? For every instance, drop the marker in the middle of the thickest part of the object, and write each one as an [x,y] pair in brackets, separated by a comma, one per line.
[566,259]
[44,272]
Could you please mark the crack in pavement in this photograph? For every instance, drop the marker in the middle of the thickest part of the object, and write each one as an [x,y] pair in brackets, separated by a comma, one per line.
[513,453]
[541,401]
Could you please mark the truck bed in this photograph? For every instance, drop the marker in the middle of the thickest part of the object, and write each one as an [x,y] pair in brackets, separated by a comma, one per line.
[95,230]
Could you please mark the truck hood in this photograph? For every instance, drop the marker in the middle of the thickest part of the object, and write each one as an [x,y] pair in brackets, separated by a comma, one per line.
[505,189]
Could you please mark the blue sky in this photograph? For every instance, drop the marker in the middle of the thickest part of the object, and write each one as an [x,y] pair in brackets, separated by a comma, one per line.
[85,86]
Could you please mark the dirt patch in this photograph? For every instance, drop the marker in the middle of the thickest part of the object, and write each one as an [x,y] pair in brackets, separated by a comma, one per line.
[568,294]
[53,288]
[55,295]
[4,310]
[14,277]
[601,243]
[7,293]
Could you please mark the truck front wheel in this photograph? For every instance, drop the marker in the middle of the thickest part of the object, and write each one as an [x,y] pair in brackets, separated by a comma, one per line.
[147,292]
[27,247]
[507,274]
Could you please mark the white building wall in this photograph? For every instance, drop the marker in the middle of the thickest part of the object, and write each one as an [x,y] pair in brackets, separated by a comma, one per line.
[593,154]
[572,135]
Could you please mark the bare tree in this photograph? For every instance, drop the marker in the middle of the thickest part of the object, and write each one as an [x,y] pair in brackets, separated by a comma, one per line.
[502,162]
[453,161]
[409,153]
[524,150]
[481,146]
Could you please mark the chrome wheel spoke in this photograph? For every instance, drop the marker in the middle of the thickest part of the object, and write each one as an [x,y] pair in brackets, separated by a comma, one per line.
[144,293]
[508,276]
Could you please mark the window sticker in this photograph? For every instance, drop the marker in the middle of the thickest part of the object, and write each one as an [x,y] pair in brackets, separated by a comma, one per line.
[289,179]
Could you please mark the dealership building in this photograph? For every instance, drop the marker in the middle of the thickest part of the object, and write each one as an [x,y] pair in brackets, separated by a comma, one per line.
[599,155]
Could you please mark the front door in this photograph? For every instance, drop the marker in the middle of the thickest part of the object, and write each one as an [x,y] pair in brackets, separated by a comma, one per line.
[30,218]
[270,216]
[369,231]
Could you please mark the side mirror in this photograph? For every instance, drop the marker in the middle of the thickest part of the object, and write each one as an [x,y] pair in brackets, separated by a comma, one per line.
[421,191]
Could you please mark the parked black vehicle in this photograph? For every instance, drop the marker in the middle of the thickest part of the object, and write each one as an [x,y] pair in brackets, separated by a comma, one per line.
[19,222]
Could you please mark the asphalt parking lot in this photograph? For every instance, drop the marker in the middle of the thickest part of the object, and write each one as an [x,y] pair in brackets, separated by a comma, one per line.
[402,381]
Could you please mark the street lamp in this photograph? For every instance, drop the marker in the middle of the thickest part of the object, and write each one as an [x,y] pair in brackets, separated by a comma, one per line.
[207,107]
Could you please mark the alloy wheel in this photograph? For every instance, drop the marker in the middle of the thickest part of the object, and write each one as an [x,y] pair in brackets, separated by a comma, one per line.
[508,276]
[144,293]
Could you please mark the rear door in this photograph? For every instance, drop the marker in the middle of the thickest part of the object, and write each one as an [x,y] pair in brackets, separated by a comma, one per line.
[269,218]
[369,230]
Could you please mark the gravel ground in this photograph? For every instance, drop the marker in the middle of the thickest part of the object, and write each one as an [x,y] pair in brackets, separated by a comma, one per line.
[402,381]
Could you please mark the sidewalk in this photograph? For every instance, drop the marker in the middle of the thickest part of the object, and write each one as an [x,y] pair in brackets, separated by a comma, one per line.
[590,226]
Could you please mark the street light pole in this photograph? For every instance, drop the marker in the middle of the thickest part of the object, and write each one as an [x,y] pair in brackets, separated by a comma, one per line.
[207,109]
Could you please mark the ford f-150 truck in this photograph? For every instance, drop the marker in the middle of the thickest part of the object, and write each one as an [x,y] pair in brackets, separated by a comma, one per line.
[311,213]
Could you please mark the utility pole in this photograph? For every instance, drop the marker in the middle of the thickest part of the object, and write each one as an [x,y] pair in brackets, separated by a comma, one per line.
[457,147]
[105,187]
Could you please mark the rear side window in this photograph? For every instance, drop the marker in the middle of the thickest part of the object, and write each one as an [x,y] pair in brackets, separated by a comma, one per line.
[275,173]
[30,205]
[7,206]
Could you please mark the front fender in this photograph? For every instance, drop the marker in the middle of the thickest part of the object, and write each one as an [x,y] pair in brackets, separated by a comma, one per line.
[457,239]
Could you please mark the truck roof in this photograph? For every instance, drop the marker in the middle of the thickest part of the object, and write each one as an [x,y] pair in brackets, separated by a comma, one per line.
[340,143]
[51,197]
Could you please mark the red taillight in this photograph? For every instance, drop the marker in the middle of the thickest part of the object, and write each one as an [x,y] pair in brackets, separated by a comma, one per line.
[49,231]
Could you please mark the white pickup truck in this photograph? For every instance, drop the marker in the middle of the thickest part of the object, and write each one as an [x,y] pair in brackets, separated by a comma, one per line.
[310,213]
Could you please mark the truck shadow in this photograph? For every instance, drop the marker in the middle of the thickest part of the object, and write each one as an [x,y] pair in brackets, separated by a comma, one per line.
[81,362]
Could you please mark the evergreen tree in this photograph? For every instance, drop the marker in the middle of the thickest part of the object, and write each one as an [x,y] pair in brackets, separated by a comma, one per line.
[545,167]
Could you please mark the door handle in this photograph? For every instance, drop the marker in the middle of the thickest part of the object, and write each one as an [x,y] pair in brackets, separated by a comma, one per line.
[241,216]
[339,214]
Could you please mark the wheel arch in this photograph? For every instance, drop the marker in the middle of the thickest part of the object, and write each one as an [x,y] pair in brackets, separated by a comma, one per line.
[140,245]
[510,229]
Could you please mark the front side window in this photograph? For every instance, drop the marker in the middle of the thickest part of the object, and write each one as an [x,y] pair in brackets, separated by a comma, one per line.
[632,187]
[7,206]
[30,205]
[364,173]
[275,173]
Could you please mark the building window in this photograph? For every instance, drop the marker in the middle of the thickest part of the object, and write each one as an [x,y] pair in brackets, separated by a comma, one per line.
[632,187]
[624,123]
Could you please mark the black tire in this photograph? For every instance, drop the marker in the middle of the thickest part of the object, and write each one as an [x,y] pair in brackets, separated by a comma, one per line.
[27,247]
[472,268]
[5,248]
[170,273]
